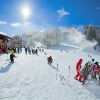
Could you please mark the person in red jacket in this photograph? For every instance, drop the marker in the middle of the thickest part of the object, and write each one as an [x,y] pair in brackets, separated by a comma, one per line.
[50,60]
[96,70]
[78,68]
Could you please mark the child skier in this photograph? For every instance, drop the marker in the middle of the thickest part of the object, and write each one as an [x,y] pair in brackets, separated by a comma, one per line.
[78,69]
[50,60]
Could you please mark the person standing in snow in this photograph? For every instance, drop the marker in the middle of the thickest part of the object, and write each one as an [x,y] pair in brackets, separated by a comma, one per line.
[30,51]
[12,58]
[36,51]
[50,60]
[99,74]
[26,50]
[78,69]
[92,69]
[18,50]
[96,70]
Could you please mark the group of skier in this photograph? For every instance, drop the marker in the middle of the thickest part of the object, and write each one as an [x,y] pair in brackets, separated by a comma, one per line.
[16,50]
[12,51]
[33,51]
[91,68]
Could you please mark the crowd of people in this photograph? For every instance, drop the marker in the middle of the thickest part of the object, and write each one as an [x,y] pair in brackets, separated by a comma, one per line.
[91,68]
[29,50]
[33,50]
[12,52]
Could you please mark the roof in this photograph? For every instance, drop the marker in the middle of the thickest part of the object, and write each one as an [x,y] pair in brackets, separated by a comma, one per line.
[4,37]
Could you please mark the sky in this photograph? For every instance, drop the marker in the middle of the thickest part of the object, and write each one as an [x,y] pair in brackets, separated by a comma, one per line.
[19,16]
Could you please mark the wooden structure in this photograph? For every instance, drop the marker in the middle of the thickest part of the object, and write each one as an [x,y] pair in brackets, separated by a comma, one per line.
[3,43]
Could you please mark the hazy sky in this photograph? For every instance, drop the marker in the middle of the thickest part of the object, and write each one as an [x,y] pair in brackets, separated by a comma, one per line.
[18,16]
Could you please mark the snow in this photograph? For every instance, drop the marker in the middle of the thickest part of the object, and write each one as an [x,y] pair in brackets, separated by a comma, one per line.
[2,33]
[31,78]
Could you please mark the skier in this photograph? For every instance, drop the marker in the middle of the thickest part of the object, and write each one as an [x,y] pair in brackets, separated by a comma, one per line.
[92,69]
[42,50]
[99,74]
[12,58]
[18,50]
[36,51]
[12,51]
[30,51]
[50,60]
[26,50]
[78,69]
[96,70]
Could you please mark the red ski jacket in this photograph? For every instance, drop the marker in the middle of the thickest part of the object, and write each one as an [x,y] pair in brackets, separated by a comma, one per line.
[78,65]
[49,59]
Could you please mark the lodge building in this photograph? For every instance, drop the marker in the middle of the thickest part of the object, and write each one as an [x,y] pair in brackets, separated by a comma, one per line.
[3,43]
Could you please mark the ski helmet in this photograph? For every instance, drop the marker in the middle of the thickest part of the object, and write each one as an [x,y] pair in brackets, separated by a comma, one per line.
[93,60]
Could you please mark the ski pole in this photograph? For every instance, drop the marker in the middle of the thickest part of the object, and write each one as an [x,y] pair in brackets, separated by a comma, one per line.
[56,72]
[69,73]
[57,66]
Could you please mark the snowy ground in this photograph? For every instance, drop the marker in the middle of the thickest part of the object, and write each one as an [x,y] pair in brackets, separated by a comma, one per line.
[31,78]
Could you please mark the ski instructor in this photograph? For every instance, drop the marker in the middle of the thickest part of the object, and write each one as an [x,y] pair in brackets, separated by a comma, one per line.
[78,69]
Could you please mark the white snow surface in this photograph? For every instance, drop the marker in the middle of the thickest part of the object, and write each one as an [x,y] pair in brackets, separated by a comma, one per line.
[31,78]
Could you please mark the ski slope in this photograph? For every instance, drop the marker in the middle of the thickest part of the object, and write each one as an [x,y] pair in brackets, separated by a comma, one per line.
[31,78]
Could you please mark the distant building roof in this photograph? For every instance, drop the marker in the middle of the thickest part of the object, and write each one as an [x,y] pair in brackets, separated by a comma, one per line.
[2,33]
[4,37]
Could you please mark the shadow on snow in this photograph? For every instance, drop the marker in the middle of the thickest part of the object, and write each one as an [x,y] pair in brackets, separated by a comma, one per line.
[5,69]
[54,67]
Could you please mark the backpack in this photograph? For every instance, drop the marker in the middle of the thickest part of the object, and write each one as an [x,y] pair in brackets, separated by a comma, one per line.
[96,69]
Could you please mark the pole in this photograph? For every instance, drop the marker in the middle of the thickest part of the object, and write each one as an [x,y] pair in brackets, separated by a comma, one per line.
[69,73]
[57,66]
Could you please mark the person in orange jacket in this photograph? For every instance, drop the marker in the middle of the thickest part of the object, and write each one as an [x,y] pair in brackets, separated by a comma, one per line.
[96,70]
[78,69]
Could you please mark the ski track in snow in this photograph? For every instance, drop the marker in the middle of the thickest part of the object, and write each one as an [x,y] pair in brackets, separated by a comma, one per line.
[31,78]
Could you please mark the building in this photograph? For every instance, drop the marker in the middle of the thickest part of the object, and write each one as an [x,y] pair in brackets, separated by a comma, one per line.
[16,42]
[93,32]
[4,43]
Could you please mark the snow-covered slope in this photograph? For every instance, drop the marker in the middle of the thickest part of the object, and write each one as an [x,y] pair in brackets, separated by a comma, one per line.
[31,78]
